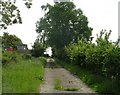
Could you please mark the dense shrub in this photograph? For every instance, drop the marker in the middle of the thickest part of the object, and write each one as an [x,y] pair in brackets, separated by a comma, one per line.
[27,56]
[8,56]
[100,58]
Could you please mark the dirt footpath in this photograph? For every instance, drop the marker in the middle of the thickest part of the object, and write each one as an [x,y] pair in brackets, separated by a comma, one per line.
[67,80]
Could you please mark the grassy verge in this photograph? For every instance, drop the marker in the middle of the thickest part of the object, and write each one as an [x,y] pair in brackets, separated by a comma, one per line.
[97,83]
[0,69]
[71,89]
[58,86]
[24,76]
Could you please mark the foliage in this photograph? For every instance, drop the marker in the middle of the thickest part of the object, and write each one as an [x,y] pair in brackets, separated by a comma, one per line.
[8,57]
[71,89]
[0,39]
[38,49]
[61,24]
[10,13]
[27,56]
[10,40]
[24,76]
[58,85]
[103,57]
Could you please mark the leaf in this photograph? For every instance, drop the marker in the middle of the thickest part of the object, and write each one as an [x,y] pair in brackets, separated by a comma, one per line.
[14,21]
[13,7]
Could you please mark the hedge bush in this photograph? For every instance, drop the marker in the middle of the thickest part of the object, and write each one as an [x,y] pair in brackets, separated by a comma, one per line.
[100,58]
[8,56]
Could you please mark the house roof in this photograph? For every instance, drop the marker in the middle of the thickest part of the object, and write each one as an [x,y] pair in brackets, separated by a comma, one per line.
[22,45]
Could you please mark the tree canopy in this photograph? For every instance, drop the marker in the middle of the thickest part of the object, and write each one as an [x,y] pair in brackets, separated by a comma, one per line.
[38,48]
[62,24]
[10,40]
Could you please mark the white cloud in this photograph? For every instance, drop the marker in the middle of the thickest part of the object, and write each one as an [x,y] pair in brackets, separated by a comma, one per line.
[102,14]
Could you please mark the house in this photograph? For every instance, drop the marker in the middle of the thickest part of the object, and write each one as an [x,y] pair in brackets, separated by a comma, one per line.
[22,48]
[10,48]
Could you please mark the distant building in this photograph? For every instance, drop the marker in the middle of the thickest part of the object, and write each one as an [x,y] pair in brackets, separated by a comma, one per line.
[9,48]
[22,48]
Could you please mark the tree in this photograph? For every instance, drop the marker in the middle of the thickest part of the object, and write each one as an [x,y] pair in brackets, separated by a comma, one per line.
[10,13]
[38,48]
[61,24]
[10,40]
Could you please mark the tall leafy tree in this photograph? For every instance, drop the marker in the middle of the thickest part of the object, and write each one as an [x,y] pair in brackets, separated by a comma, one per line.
[61,24]
[10,40]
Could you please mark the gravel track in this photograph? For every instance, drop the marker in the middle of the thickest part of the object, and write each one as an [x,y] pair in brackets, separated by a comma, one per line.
[68,80]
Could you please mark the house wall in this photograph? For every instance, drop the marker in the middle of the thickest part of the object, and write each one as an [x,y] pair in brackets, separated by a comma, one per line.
[22,48]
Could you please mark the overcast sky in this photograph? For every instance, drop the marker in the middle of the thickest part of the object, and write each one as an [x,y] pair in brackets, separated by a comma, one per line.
[102,14]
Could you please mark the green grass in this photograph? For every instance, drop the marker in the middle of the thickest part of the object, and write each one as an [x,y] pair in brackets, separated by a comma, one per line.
[24,76]
[58,85]
[71,89]
[0,69]
[96,82]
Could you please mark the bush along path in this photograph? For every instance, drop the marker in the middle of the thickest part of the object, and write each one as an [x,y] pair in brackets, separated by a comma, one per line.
[59,80]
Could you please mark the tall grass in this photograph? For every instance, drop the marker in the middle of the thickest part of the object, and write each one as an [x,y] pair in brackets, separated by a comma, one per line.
[0,68]
[58,85]
[24,76]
